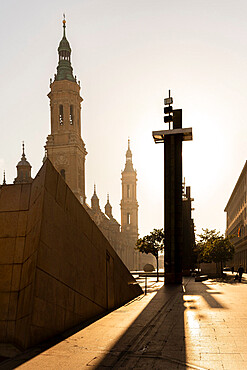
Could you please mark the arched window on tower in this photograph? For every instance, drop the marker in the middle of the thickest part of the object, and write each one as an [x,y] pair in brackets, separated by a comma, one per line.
[128,191]
[61,115]
[128,218]
[71,115]
[62,173]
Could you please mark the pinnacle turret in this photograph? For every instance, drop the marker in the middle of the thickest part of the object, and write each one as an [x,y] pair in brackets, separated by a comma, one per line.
[95,200]
[108,208]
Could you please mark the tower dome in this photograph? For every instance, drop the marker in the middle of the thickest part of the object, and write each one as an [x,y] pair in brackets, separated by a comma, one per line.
[23,169]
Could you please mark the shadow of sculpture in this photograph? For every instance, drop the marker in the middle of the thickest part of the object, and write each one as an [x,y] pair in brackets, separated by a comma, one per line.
[158,335]
[149,337]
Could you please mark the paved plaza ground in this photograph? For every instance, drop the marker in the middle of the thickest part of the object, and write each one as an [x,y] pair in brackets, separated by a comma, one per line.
[199,325]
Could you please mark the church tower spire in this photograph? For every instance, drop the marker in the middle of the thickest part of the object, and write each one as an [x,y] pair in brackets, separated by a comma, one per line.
[64,68]
[129,205]
[65,147]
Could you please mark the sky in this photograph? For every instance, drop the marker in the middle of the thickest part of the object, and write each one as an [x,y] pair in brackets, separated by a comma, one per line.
[127,54]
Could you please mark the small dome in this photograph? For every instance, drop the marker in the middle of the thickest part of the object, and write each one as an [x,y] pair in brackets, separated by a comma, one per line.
[23,170]
[23,162]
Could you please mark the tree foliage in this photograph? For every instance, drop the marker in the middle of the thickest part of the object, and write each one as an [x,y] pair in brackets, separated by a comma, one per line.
[213,247]
[152,243]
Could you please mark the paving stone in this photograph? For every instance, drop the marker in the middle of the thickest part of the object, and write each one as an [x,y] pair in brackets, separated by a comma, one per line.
[161,331]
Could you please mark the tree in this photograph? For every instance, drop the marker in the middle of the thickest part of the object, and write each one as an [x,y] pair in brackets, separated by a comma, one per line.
[152,243]
[207,238]
[213,247]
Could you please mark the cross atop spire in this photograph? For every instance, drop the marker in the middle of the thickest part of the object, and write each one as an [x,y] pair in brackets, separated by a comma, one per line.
[23,152]
[64,24]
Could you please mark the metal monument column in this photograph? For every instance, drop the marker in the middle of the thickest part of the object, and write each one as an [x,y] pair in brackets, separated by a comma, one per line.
[172,140]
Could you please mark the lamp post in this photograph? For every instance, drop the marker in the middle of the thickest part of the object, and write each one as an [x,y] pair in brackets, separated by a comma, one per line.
[172,140]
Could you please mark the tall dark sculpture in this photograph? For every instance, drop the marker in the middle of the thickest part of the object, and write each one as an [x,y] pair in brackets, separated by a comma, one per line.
[172,140]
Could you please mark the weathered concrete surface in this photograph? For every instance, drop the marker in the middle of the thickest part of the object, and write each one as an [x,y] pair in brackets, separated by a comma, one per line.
[56,267]
[202,325]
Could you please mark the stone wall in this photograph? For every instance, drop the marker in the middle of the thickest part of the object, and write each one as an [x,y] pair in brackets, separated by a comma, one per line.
[56,267]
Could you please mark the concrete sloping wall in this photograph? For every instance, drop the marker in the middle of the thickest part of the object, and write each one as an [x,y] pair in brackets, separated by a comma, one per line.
[20,221]
[56,267]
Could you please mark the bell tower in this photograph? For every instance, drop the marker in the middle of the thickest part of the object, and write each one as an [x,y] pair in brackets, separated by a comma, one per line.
[129,205]
[64,146]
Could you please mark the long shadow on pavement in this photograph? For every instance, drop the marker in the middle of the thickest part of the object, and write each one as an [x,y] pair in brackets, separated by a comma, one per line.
[207,292]
[157,337]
